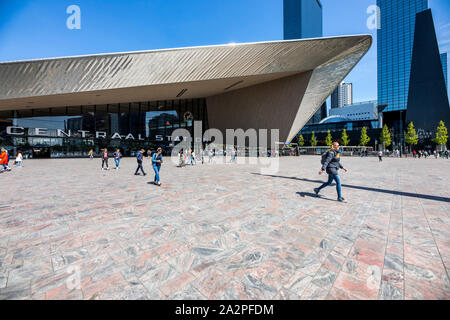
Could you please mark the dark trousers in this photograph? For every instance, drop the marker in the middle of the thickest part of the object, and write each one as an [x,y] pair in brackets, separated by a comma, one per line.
[140,167]
[105,161]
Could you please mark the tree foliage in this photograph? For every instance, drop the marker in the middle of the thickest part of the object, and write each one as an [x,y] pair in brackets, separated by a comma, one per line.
[411,137]
[385,136]
[313,140]
[301,140]
[441,134]
[344,138]
[329,139]
[364,140]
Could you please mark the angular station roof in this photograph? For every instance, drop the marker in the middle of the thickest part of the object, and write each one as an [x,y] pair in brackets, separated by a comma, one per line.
[162,74]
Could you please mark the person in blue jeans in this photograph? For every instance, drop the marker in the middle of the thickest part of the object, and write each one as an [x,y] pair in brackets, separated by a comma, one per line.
[156,162]
[139,158]
[117,157]
[331,165]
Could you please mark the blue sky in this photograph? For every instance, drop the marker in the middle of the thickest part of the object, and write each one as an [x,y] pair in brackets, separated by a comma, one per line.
[37,28]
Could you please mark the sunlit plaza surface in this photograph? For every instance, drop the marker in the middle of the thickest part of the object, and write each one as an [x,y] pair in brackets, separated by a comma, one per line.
[69,230]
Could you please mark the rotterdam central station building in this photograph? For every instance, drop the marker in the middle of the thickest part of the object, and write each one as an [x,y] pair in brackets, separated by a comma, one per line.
[66,106]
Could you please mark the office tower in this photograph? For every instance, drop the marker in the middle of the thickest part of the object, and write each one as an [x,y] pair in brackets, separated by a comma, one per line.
[427,99]
[342,96]
[303,19]
[444,67]
[395,43]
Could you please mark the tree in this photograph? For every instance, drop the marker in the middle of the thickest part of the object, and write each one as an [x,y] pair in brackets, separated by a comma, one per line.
[313,140]
[441,134]
[364,137]
[411,138]
[344,139]
[301,140]
[329,139]
[385,136]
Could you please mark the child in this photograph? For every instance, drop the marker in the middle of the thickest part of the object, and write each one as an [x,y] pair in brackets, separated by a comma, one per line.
[19,159]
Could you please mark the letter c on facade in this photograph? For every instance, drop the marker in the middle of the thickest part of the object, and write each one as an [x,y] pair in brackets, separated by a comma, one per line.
[9,130]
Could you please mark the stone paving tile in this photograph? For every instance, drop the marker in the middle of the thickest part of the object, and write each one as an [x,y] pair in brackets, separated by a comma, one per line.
[390,292]
[226,232]
[187,293]
[285,294]
[356,287]
[314,292]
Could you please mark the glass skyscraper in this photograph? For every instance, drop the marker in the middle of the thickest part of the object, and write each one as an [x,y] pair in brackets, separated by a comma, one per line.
[395,44]
[444,66]
[303,19]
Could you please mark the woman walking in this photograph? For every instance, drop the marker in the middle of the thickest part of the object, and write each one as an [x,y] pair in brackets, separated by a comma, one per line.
[156,162]
[117,157]
[105,159]
[331,163]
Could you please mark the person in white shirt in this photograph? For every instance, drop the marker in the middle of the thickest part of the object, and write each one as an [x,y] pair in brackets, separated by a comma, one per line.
[19,159]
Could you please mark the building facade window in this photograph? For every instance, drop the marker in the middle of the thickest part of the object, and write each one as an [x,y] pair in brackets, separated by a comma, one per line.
[73,131]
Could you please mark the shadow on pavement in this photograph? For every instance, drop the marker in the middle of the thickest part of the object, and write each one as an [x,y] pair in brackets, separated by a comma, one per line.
[399,193]
[313,195]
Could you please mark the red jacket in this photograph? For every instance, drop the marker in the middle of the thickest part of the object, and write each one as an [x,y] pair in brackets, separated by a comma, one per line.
[3,158]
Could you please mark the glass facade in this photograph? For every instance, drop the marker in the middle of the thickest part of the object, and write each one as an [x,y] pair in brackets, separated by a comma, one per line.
[395,44]
[73,131]
[339,124]
[353,129]
[444,66]
[304,19]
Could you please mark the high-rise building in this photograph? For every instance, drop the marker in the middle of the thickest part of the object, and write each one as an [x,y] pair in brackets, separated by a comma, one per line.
[342,96]
[303,19]
[395,44]
[427,98]
[444,67]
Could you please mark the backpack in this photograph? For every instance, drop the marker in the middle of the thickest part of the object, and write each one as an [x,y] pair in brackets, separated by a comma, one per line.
[324,157]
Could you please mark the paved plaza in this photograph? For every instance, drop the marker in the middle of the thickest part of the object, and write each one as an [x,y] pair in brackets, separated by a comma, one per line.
[71,231]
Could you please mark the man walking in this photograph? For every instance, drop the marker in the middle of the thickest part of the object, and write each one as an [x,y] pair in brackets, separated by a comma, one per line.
[202,155]
[380,156]
[139,157]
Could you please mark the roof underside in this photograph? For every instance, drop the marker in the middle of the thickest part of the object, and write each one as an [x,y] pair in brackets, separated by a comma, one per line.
[163,74]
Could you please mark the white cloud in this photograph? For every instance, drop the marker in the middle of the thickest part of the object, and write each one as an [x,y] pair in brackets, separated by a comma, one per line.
[445,26]
[444,42]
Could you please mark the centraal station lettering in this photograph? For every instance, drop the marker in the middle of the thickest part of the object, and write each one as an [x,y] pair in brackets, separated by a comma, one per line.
[59,133]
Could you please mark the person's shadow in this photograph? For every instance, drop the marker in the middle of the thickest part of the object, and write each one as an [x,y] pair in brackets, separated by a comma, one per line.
[312,195]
